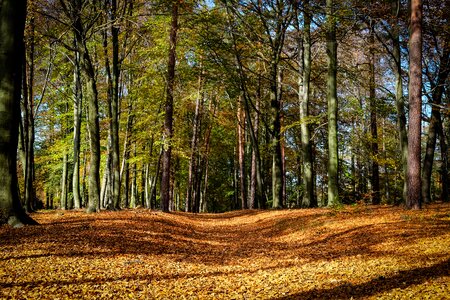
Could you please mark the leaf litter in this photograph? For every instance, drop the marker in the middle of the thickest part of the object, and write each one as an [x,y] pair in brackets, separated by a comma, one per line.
[359,252]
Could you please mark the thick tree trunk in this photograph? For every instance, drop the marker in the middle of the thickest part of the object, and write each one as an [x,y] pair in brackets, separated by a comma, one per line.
[333,159]
[415,106]
[168,118]
[94,141]
[12,22]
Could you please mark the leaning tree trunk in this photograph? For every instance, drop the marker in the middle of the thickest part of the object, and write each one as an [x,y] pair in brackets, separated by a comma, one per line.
[333,195]
[168,119]
[12,22]
[415,106]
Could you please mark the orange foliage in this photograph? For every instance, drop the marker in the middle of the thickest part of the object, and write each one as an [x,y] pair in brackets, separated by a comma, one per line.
[360,252]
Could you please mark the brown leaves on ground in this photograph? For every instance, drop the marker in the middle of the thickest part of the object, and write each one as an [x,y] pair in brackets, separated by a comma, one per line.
[356,252]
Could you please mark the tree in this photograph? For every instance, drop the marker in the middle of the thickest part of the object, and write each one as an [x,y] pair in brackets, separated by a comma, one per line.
[304,95]
[12,22]
[333,159]
[415,106]
[168,107]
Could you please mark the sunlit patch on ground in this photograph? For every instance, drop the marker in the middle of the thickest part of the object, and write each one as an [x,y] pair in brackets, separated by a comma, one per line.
[360,252]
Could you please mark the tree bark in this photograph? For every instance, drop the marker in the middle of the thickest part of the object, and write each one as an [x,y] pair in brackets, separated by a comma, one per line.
[194,148]
[77,110]
[12,22]
[415,106]
[375,178]
[435,121]
[308,199]
[333,159]
[168,118]
[241,154]
[399,102]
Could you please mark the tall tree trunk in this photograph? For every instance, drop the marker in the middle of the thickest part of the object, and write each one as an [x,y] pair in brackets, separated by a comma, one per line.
[28,97]
[94,140]
[12,22]
[333,159]
[308,199]
[375,179]
[168,118]
[435,121]
[77,110]
[415,106]
[115,106]
[399,100]
[275,108]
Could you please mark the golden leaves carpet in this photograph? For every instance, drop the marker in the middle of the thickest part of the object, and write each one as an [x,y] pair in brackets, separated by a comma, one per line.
[359,252]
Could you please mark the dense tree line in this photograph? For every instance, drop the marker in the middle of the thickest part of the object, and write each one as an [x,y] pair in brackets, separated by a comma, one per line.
[219,105]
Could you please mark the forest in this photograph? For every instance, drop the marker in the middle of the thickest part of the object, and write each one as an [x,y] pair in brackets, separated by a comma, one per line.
[229,149]
[212,106]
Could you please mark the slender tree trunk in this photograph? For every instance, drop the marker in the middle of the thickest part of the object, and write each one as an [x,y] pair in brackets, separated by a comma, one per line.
[277,165]
[153,187]
[241,154]
[64,181]
[435,122]
[28,97]
[194,147]
[12,22]
[399,103]
[168,119]
[375,179]
[333,159]
[77,110]
[134,194]
[308,199]
[115,106]
[415,106]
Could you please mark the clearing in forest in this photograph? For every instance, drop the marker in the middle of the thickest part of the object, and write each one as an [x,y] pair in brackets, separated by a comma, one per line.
[359,251]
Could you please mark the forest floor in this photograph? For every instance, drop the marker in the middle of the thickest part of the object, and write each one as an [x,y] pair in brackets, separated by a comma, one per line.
[359,252]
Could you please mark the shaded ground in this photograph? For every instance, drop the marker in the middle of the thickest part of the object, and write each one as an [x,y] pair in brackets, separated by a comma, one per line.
[360,252]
